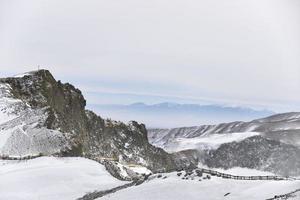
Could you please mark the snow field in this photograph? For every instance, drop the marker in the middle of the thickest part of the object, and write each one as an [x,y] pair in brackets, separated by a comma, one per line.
[49,178]
[174,188]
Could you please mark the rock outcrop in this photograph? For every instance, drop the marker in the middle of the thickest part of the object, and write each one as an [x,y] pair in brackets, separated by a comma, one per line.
[49,117]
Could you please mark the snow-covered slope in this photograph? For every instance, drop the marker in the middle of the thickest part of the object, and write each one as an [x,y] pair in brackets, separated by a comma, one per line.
[49,178]
[281,127]
[271,143]
[204,142]
[21,128]
[175,187]
[8,105]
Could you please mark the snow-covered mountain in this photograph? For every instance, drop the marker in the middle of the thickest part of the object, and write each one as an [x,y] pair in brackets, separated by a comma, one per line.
[42,116]
[270,143]
[283,127]
[158,115]
[80,155]
[22,129]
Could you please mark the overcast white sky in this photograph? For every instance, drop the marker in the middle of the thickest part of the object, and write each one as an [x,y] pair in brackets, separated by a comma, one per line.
[235,51]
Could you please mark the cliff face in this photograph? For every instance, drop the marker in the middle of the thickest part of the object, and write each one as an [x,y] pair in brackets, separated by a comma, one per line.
[64,103]
[126,143]
[81,132]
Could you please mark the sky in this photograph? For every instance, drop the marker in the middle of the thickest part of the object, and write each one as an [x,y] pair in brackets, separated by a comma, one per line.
[244,53]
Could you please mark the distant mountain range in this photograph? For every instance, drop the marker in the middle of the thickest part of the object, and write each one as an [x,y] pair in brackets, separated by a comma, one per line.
[159,115]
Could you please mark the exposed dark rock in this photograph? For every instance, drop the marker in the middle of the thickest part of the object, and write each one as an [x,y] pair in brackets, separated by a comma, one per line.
[257,153]
[88,134]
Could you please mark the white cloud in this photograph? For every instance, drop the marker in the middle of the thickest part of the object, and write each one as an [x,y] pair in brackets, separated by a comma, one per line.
[230,50]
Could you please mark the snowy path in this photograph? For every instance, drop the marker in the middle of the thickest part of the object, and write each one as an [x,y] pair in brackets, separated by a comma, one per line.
[98,194]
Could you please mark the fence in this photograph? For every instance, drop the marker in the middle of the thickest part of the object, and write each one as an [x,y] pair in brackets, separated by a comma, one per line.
[4,157]
[229,176]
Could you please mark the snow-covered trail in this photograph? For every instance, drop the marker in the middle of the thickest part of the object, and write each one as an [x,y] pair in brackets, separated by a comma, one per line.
[99,194]
[51,178]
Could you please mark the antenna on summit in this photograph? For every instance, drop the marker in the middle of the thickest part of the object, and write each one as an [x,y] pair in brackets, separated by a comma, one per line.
[38,67]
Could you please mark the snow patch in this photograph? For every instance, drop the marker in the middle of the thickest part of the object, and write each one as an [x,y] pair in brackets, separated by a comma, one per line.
[23,136]
[8,105]
[123,172]
[140,170]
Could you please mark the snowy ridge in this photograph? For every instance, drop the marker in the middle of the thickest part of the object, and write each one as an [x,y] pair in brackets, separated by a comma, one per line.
[281,127]
[204,142]
[31,73]
[271,144]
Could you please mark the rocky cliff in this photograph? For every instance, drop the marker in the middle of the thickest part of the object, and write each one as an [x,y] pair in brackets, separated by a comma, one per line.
[43,116]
